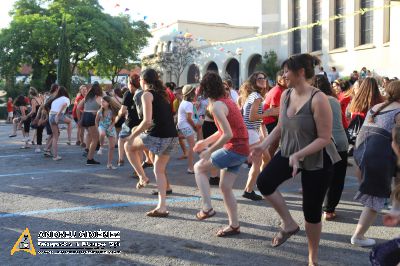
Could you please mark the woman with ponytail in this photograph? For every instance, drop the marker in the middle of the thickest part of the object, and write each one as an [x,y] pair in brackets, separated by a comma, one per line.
[376,160]
[157,133]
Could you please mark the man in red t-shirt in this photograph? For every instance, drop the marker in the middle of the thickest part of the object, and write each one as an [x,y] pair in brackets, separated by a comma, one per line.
[170,86]
[273,99]
[10,110]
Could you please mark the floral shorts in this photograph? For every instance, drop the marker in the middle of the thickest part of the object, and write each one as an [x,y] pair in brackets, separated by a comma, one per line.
[159,146]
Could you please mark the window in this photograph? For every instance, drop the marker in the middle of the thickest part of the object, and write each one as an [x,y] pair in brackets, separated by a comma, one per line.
[296,48]
[386,24]
[366,23]
[316,30]
[340,34]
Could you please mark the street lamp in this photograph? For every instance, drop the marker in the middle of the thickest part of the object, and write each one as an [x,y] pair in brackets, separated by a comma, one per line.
[56,62]
[239,52]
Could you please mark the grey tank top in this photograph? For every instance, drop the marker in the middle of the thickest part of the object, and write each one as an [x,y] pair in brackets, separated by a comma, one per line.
[91,105]
[299,131]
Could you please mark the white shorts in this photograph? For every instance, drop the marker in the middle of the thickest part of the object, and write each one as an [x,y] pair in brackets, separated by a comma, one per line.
[254,136]
[10,114]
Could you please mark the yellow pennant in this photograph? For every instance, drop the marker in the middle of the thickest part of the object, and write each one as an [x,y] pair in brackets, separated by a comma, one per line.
[24,243]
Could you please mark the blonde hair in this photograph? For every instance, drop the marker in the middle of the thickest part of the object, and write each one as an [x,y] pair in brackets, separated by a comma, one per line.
[245,90]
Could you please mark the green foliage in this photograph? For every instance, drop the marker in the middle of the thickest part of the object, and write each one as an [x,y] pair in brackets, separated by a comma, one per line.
[270,65]
[91,39]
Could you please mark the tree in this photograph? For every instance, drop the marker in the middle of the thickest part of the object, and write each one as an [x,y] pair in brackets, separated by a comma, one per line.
[34,38]
[181,56]
[122,41]
[64,65]
[269,65]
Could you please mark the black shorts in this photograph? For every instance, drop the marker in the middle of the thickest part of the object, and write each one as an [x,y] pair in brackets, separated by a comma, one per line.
[120,122]
[209,128]
[88,119]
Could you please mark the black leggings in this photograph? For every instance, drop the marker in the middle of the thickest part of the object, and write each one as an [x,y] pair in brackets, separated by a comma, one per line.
[314,183]
[39,134]
[27,124]
[336,185]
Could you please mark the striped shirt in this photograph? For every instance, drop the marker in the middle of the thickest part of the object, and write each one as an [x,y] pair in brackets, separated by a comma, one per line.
[246,111]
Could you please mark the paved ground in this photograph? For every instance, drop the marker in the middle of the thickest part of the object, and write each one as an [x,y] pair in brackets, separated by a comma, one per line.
[41,194]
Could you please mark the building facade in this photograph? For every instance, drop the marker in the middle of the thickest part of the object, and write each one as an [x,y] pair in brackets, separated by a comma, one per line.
[349,42]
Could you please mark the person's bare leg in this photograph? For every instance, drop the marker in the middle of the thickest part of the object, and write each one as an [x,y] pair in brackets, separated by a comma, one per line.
[367,218]
[190,153]
[111,148]
[69,128]
[121,149]
[313,232]
[226,185]
[201,169]
[279,204]
[54,129]
[102,135]
[148,157]
[253,173]
[183,147]
[160,164]
[94,136]
[133,150]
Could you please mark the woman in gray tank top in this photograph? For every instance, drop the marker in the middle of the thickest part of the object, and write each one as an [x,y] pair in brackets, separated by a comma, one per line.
[304,129]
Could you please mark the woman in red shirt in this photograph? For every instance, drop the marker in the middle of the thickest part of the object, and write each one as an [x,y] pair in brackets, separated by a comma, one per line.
[341,88]
[227,149]
[76,114]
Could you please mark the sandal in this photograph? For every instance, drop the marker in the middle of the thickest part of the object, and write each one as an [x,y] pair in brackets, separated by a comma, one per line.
[233,231]
[202,215]
[156,213]
[142,184]
[183,157]
[282,236]
[329,216]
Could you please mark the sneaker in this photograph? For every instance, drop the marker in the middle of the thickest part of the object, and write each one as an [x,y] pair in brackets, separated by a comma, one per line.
[58,158]
[47,154]
[12,135]
[38,150]
[366,242]
[100,151]
[252,195]
[111,167]
[92,162]
[214,181]
[155,192]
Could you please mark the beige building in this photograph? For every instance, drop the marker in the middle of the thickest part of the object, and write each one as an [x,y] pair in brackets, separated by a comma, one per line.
[348,43]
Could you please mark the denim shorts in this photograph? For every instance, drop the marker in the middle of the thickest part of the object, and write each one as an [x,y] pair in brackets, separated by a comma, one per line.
[229,160]
[52,119]
[125,131]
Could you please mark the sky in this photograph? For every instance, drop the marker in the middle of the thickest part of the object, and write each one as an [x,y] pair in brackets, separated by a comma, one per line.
[160,11]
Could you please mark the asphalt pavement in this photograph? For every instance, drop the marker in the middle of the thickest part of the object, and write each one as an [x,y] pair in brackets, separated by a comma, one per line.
[43,195]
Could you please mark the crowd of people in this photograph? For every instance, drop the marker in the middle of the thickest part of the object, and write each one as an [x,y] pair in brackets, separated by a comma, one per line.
[308,124]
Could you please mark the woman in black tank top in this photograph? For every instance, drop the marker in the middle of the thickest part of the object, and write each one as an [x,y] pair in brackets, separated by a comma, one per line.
[156,133]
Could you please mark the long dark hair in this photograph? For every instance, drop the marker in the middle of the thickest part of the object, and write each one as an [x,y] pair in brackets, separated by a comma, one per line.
[62,91]
[155,84]
[253,80]
[321,82]
[94,91]
[212,86]
[20,101]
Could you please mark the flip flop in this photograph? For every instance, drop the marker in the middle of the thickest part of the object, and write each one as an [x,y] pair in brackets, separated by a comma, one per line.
[202,215]
[282,236]
[234,231]
[156,213]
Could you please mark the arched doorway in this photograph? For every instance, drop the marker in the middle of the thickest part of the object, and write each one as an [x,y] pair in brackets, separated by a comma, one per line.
[254,61]
[212,67]
[193,75]
[232,69]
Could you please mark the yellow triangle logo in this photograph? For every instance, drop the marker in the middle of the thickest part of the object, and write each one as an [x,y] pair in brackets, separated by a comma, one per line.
[24,243]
